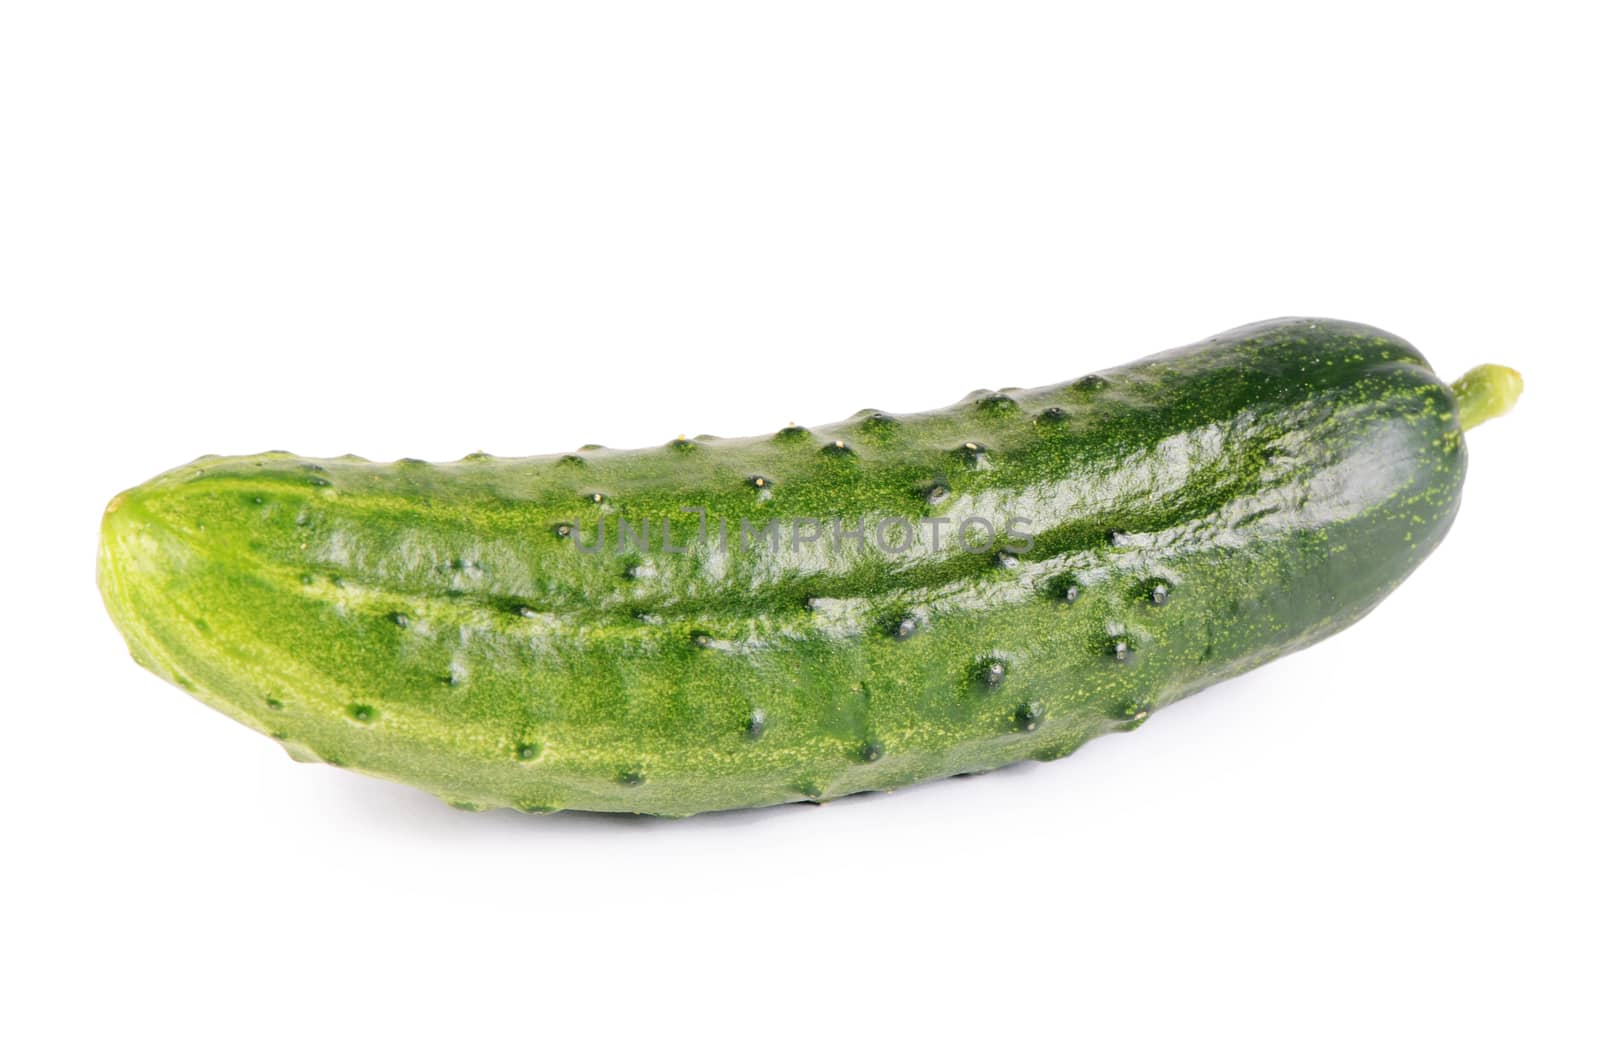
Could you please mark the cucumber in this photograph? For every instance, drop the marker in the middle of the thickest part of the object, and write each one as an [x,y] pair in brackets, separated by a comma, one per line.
[719,623]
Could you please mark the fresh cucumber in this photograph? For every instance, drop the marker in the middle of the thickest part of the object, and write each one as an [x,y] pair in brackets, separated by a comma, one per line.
[726,623]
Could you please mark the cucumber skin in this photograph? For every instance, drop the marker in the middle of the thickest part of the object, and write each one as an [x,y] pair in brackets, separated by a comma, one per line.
[430,624]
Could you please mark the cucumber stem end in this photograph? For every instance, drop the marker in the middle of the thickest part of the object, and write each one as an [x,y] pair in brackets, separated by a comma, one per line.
[1485,392]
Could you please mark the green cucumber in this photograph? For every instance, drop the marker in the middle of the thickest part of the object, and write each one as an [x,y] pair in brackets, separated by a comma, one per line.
[563,632]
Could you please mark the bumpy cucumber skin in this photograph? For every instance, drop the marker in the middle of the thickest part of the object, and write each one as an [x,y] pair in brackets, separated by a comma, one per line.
[1194,515]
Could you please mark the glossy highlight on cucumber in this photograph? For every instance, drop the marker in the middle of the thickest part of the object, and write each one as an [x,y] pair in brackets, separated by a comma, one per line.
[1188,516]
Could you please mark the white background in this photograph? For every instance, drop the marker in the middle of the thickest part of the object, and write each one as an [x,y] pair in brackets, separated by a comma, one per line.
[424,229]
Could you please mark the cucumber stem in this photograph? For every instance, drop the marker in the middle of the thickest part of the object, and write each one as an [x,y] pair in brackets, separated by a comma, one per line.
[1485,392]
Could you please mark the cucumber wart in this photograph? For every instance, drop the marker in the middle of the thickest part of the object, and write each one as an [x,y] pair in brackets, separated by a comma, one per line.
[726,623]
